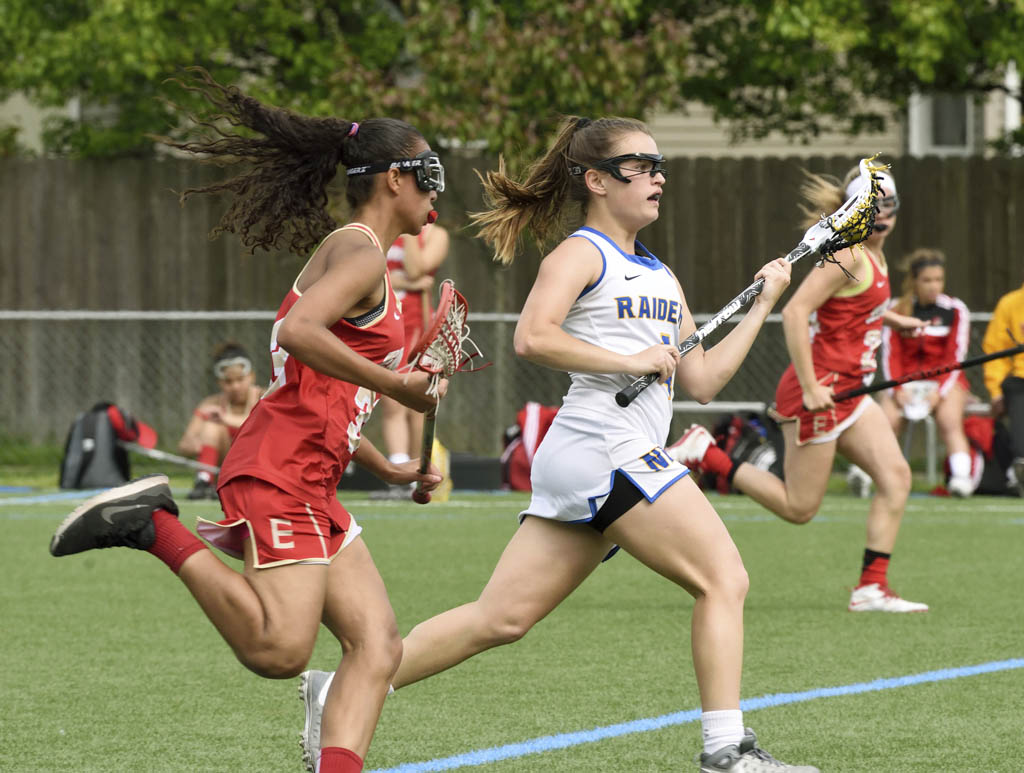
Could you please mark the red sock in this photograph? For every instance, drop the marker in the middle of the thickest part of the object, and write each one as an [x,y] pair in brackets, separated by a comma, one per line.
[334,759]
[174,543]
[208,455]
[875,568]
[717,461]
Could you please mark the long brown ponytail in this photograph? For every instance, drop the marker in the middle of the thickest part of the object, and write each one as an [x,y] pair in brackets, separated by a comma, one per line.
[548,193]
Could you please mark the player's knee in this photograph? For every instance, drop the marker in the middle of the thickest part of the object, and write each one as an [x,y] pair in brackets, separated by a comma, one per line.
[896,481]
[800,515]
[729,582]
[378,650]
[388,656]
[736,582]
[505,628]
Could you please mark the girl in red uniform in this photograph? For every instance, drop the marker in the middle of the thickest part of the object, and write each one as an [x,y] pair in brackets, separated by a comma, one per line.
[335,344]
[216,420]
[942,341]
[832,326]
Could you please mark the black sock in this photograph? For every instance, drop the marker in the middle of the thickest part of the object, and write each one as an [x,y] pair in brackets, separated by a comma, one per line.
[870,555]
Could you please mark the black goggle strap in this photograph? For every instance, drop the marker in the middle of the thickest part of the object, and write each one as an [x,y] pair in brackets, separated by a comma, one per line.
[611,165]
[427,166]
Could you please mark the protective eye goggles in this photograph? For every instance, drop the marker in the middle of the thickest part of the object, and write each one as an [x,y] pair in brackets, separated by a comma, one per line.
[888,205]
[220,368]
[635,164]
[426,165]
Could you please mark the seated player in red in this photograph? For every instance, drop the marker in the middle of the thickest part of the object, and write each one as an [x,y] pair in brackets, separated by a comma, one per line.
[942,341]
[216,420]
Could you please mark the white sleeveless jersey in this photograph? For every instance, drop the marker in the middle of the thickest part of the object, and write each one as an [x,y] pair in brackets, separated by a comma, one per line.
[634,304]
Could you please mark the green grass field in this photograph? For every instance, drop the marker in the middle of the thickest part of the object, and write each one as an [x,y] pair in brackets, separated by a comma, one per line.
[108,664]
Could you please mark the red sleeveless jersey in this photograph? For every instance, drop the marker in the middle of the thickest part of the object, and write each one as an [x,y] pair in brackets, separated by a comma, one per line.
[847,329]
[942,342]
[416,306]
[303,432]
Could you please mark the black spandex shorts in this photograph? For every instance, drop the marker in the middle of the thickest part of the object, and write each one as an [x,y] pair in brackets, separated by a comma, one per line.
[624,495]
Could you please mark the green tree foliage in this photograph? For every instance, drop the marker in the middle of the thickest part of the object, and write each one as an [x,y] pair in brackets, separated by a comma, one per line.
[499,73]
[802,65]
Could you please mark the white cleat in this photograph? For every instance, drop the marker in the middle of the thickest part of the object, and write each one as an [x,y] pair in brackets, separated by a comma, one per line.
[858,481]
[748,757]
[692,446]
[960,486]
[1016,480]
[313,691]
[878,598]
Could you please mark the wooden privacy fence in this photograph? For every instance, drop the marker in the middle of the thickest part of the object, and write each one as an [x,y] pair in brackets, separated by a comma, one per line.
[111,236]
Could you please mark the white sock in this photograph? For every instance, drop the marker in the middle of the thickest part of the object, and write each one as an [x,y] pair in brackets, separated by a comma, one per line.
[960,464]
[721,728]
[398,458]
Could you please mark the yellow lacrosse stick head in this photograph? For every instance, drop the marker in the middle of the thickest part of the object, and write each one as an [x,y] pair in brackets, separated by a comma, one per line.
[853,222]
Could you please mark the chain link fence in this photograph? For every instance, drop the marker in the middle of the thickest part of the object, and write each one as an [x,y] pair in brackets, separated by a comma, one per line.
[158,365]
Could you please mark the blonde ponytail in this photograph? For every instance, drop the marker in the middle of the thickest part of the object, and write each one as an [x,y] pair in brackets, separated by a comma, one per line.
[824,194]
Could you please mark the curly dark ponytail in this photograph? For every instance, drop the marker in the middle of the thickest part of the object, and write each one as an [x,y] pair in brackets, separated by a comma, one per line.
[281,201]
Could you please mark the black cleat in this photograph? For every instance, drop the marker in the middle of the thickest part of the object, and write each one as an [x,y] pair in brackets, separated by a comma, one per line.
[117,517]
[202,489]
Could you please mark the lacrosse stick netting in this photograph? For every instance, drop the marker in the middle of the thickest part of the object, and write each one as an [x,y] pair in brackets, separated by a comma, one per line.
[446,348]
[442,352]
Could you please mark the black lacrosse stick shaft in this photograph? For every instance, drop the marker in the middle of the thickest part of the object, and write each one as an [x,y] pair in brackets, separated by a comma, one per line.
[630,393]
[926,374]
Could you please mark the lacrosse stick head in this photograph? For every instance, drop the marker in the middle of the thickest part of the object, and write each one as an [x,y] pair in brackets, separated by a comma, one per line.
[853,222]
[442,348]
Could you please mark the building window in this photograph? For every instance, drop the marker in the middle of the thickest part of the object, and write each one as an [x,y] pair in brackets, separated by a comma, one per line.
[941,125]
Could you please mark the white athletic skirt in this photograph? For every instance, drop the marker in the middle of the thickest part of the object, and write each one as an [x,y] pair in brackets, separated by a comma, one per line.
[574,467]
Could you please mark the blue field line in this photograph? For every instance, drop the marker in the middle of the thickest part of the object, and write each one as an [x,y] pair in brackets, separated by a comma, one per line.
[564,740]
[42,499]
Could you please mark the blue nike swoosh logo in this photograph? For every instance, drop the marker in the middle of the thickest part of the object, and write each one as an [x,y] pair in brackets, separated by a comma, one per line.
[632,277]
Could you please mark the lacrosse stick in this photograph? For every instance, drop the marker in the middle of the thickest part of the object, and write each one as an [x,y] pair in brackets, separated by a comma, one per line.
[921,375]
[850,224]
[440,352]
[163,456]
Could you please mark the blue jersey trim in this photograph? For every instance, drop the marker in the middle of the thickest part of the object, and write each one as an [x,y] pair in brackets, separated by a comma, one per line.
[604,265]
[618,471]
[647,260]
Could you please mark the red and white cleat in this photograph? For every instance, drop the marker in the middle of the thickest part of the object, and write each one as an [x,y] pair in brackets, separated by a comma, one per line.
[692,446]
[879,598]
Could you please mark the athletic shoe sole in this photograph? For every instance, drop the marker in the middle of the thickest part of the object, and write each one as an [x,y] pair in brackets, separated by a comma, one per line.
[310,685]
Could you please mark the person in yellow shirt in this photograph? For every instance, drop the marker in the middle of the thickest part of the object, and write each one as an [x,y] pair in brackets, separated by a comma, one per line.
[1004,377]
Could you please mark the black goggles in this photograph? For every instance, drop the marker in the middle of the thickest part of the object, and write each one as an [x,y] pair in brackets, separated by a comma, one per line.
[426,165]
[637,164]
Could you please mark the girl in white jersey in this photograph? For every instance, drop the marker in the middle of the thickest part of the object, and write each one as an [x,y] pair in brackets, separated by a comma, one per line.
[606,310]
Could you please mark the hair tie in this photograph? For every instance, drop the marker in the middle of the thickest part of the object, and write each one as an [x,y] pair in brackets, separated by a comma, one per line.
[582,122]
[353,130]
